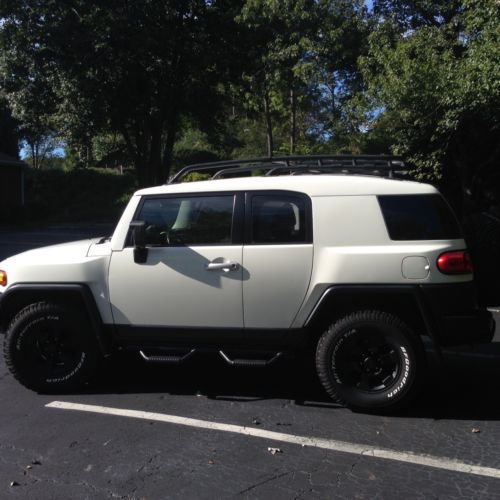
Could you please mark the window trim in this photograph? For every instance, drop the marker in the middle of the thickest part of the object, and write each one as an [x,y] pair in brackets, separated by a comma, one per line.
[236,221]
[249,195]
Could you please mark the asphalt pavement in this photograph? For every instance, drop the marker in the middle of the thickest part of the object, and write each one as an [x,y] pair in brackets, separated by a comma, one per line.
[207,430]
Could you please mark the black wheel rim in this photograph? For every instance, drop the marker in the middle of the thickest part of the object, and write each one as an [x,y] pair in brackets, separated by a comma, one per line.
[51,349]
[366,359]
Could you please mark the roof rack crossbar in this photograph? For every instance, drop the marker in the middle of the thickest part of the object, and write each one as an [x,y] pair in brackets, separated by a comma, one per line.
[369,164]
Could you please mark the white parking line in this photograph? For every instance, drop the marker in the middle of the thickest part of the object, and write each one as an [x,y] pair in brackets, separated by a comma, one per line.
[326,444]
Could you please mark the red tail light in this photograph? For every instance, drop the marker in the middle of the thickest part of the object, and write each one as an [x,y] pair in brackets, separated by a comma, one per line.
[455,263]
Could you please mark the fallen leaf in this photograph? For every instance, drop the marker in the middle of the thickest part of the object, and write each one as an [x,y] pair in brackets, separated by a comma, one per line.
[274,450]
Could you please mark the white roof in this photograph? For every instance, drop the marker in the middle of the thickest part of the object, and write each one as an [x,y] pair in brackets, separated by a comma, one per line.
[313,185]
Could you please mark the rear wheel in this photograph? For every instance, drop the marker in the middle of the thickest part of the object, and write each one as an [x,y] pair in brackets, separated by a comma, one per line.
[48,349]
[370,360]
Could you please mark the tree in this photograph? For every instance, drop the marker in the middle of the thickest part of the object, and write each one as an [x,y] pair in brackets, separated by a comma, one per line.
[27,84]
[125,67]
[280,34]
[302,72]
[433,74]
[9,130]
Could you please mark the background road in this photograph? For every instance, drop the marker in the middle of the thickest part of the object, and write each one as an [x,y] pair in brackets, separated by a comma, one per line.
[54,453]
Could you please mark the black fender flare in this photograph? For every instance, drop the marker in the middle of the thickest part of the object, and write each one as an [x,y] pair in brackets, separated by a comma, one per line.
[21,294]
[380,295]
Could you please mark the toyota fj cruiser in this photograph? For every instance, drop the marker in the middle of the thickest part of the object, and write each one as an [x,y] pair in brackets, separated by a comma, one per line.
[355,262]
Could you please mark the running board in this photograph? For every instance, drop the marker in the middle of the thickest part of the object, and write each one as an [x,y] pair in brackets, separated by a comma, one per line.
[167,358]
[257,363]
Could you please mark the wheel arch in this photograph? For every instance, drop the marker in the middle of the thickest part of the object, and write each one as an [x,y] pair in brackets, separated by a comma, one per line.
[77,295]
[406,302]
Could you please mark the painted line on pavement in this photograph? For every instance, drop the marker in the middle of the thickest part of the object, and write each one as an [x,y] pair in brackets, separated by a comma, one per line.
[325,444]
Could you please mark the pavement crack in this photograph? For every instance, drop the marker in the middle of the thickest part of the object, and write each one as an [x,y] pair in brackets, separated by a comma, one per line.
[268,480]
[149,462]
[340,475]
[95,489]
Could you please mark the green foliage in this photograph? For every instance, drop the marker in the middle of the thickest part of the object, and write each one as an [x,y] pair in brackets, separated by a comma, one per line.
[51,162]
[160,84]
[301,73]
[110,151]
[433,70]
[126,68]
[196,176]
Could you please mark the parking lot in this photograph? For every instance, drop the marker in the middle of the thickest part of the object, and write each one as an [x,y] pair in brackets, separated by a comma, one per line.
[207,430]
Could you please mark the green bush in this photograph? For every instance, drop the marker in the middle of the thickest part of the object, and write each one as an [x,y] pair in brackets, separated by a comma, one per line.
[76,195]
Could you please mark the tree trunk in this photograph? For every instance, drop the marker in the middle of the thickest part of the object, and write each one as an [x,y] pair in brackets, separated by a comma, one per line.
[33,156]
[154,163]
[269,125]
[293,120]
[138,155]
[172,125]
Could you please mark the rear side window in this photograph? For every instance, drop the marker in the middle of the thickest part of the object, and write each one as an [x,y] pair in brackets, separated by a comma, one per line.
[419,217]
[278,219]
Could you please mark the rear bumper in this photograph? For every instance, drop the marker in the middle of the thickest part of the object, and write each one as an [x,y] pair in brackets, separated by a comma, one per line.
[457,317]
[478,328]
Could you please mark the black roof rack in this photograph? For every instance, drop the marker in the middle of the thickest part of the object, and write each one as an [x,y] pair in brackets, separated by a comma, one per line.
[379,165]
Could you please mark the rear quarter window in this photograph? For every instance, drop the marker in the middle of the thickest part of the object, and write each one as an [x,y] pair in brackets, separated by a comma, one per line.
[419,217]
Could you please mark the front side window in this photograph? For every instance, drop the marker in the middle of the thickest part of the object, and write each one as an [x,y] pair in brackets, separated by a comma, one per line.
[278,219]
[191,220]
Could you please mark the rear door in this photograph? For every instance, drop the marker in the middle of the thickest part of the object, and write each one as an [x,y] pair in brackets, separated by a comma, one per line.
[277,257]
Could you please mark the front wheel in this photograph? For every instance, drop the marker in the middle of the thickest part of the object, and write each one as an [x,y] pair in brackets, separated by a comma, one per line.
[48,348]
[370,360]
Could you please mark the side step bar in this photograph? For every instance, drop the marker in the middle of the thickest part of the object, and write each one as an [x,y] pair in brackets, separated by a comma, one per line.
[256,359]
[167,358]
[259,362]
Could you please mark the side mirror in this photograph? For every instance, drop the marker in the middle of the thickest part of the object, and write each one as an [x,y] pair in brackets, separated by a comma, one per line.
[138,228]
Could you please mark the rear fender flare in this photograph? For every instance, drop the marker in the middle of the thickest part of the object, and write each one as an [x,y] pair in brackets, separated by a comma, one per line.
[407,302]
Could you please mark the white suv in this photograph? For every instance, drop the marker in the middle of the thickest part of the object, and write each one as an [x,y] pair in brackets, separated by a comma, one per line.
[358,266]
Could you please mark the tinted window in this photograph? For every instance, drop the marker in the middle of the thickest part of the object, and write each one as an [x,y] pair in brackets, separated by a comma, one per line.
[419,217]
[278,219]
[196,220]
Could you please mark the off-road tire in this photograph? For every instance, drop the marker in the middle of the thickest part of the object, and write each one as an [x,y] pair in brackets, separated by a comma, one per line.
[48,348]
[369,361]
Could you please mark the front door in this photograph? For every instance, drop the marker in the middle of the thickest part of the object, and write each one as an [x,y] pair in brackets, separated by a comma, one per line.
[192,276]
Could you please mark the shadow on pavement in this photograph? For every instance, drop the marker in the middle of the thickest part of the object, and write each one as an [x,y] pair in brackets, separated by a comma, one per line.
[466,387]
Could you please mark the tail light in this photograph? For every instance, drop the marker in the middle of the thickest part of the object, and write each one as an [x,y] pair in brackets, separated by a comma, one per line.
[455,263]
[3,278]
